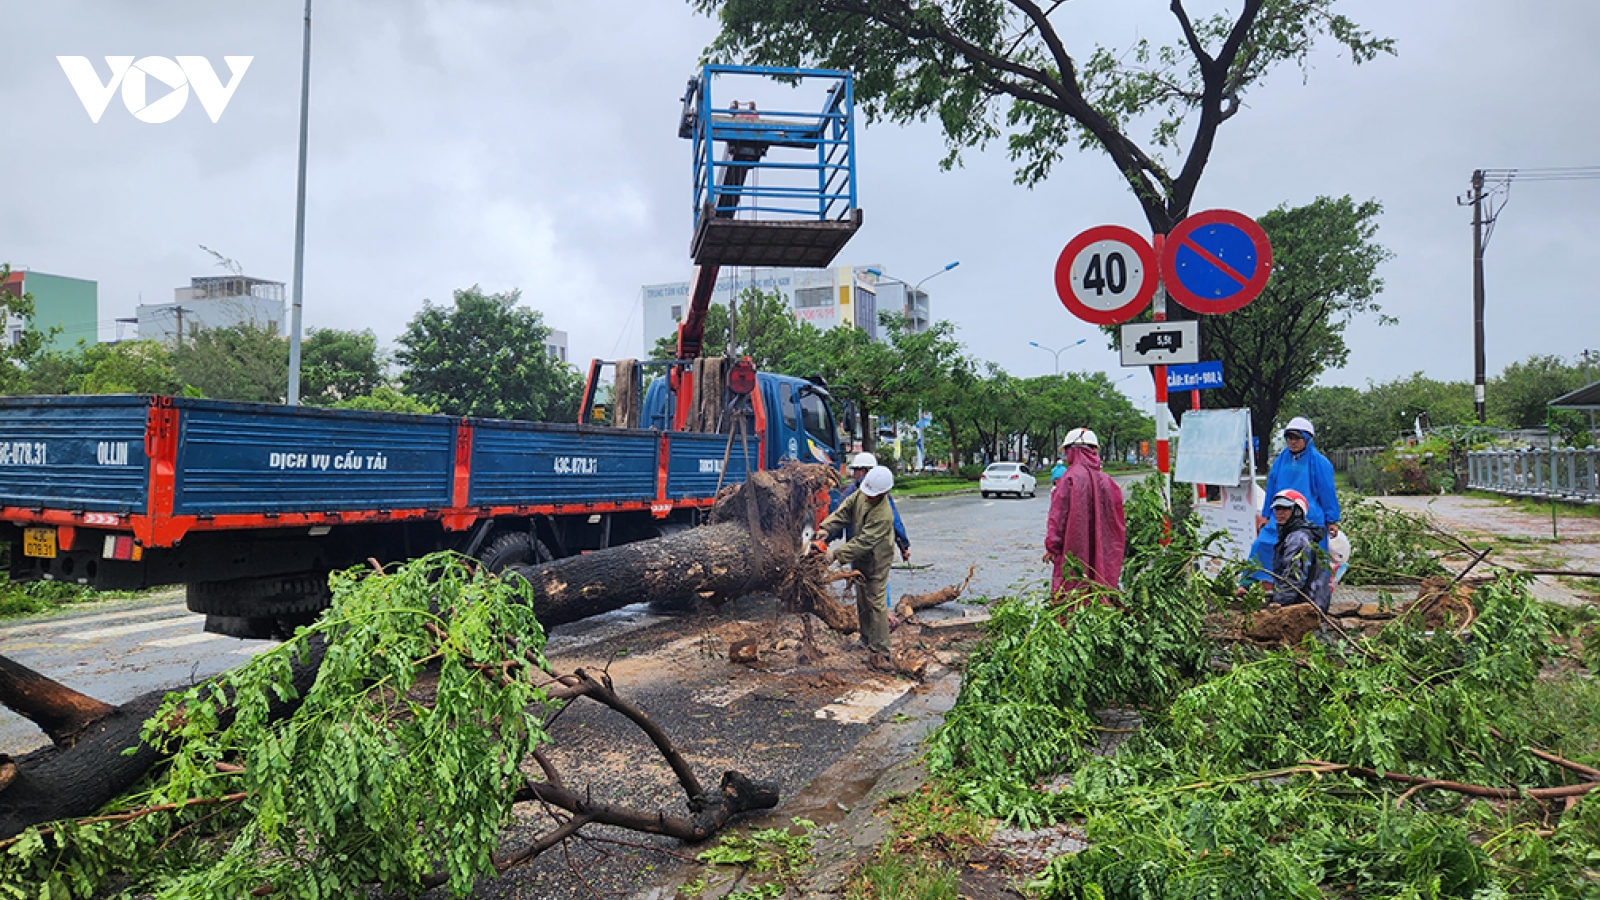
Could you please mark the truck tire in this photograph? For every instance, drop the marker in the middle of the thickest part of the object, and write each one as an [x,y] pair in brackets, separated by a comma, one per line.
[258,628]
[514,548]
[285,596]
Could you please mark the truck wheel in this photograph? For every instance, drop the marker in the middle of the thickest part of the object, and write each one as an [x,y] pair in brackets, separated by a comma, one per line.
[514,548]
[288,596]
[258,628]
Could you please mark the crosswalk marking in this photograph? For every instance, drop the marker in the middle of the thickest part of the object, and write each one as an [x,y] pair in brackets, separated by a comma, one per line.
[169,609]
[135,628]
[183,640]
[860,706]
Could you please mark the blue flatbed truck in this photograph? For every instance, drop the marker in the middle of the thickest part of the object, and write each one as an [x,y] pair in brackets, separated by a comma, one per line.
[251,505]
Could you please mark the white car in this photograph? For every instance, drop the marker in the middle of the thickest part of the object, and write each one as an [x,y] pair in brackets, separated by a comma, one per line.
[1007,478]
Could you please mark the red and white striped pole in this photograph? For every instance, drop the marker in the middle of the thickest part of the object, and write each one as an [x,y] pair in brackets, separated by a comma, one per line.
[1158,311]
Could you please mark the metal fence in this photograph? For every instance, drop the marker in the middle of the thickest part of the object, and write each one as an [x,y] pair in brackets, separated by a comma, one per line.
[1346,458]
[1565,474]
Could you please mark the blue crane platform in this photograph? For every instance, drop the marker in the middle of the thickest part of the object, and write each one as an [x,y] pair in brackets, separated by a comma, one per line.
[772,187]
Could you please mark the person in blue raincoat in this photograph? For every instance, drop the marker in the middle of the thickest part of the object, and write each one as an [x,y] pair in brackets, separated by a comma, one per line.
[1303,468]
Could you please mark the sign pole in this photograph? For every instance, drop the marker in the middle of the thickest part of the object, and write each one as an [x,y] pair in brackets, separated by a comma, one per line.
[1163,456]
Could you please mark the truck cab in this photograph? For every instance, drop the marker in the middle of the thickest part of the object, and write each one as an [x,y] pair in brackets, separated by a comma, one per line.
[794,419]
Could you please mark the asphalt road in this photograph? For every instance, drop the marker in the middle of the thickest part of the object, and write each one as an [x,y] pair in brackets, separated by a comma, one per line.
[789,718]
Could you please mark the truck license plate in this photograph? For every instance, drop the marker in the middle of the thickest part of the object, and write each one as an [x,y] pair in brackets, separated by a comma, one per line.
[39,542]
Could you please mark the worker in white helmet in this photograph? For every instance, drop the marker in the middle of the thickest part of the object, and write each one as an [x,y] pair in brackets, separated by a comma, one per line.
[859,467]
[870,551]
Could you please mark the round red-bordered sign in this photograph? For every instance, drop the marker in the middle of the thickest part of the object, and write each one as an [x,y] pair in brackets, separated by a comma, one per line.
[1216,261]
[1107,274]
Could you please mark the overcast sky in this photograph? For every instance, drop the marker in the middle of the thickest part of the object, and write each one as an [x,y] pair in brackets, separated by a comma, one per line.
[533,145]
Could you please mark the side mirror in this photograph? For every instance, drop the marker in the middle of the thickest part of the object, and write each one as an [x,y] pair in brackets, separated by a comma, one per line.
[849,418]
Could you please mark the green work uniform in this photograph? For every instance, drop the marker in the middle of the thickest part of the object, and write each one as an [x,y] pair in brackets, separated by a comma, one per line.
[870,551]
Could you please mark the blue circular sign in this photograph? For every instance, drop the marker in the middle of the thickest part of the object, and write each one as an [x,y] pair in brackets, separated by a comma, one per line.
[1216,261]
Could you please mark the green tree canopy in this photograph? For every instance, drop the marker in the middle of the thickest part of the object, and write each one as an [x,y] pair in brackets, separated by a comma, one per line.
[1325,262]
[339,365]
[1343,417]
[239,362]
[484,355]
[987,68]
[1517,396]
[891,379]
[764,329]
[126,367]
[384,398]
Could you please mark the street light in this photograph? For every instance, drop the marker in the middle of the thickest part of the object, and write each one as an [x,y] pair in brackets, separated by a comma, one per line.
[914,289]
[1057,353]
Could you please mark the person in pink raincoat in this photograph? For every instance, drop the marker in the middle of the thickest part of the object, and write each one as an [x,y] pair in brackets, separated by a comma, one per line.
[1086,517]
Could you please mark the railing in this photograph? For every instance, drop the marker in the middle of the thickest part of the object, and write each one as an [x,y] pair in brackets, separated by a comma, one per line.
[1572,475]
[1348,458]
[810,174]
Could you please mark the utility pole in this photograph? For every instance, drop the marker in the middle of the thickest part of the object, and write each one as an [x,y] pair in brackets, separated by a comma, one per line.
[179,311]
[1477,295]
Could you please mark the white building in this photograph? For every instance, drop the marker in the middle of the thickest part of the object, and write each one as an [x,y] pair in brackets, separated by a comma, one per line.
[556,345]
[214,302]
[826,298]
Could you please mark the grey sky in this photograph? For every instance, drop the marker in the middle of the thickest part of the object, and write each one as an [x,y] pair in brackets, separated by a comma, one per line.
[534,145]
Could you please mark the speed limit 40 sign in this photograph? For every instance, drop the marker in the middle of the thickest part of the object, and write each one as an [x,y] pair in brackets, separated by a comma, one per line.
[1107,274]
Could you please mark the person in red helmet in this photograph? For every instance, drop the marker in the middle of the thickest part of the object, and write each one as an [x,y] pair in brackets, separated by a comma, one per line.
[1299,573]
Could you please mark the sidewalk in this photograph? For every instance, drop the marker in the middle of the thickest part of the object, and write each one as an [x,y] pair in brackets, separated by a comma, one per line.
[1520,539]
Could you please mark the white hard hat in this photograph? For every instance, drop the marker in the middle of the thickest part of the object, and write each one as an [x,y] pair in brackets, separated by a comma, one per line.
[878,482]
[1300,423]
[864,461]
[1080,436]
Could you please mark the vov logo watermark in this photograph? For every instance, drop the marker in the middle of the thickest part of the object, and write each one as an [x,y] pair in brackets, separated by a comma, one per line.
[134,78]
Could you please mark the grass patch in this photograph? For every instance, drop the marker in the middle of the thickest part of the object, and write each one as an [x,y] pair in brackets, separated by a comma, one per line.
[890,876]
[34,597]
[932,836]
[1537,507]
[932,484]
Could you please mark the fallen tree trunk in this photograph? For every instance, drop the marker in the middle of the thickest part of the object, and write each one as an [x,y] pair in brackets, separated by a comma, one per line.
[753,543]
[67,782]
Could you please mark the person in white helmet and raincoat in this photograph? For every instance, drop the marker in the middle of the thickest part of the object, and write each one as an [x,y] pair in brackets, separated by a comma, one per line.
[870,551]
[859,467]
[1300,467]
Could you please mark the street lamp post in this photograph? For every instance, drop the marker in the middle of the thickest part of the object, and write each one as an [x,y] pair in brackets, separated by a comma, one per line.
[1057,353]
[911,295]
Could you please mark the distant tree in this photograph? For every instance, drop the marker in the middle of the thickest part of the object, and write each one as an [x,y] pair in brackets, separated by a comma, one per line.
[1398,405]
[1344,417]
[484,355]
[1325,261]
[384,398]
[1054,404]
[765,330]
[339,365]
[127,367]
[238,362]
[891,379]
[1518,395]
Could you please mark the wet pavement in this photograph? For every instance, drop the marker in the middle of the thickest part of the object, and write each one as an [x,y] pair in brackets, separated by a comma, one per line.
[1524,539]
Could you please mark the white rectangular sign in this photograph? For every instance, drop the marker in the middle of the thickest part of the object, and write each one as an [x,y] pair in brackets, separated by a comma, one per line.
[1161,343]
[1235,516]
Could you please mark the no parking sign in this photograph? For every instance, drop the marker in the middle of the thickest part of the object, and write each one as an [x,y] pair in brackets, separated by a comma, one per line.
[1216,261]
